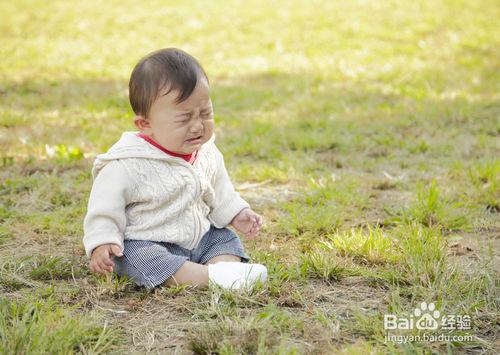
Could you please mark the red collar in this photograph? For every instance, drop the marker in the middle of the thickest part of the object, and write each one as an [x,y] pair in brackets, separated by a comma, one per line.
[190,158]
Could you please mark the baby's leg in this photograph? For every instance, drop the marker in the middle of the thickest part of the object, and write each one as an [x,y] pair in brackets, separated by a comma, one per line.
[224,257]
[189,274]
[228,274]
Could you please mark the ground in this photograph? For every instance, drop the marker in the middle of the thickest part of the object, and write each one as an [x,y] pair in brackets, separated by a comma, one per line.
[366,133]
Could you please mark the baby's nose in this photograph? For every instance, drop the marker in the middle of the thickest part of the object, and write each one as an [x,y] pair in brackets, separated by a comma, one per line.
[197,125]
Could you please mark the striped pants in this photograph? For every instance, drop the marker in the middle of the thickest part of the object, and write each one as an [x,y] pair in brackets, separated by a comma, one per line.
[150,263]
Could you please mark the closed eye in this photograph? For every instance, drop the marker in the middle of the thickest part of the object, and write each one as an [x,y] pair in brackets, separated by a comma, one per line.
[186,117]
[183,121]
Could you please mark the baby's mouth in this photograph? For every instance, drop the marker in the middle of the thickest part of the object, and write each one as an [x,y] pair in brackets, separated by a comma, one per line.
[194,139]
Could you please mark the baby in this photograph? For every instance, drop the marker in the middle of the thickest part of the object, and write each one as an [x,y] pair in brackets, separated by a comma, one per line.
[162,198]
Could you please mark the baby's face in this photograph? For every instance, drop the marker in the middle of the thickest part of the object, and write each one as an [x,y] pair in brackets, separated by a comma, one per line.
[182,128]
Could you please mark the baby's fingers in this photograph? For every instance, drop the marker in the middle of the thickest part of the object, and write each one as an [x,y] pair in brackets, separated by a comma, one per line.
[104,268]
[256,226]
[249,233]
[108,262]
[100,267]
[253,232]
[94,267]
[257,220]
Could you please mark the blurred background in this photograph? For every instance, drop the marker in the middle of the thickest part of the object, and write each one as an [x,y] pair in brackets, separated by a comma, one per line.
[301,75]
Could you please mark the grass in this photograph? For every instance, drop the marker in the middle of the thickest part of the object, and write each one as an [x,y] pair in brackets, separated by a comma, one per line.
[32,326]
[431,209]
[52,268]
[365,132]
[325,266]
[485,177]
[373,246]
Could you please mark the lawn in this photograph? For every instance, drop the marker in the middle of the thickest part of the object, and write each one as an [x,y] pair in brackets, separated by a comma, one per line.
[365,132]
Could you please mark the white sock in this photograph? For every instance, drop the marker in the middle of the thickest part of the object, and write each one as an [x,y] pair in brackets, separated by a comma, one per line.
[236,275]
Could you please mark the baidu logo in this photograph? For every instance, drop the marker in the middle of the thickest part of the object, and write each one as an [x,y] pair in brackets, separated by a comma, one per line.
[426,316]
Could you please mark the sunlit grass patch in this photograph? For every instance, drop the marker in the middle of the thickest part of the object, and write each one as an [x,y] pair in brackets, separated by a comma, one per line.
[281,273]
[321,207]
[325,265]
[261,172]
[308,222]
[423,259]
[371,245]
[431,208]
[408,255]
[62,152]
[416,259]
[330,189]
[36,325]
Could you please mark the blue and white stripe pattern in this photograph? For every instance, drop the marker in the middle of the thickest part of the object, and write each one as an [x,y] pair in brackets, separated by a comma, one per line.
[150,263]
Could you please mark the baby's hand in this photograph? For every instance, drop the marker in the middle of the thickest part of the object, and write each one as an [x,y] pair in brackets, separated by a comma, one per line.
[100,261]
[247,222]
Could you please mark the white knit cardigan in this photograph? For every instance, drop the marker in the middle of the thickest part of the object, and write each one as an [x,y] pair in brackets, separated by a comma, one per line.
[140,192]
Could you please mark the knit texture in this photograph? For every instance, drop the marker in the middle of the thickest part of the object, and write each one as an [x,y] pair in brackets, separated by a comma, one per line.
[139,192]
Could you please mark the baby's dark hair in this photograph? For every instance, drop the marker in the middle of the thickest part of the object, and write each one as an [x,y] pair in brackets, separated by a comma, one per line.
[168,68]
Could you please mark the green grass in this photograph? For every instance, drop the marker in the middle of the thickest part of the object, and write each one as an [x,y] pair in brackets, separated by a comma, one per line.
[326,266]
[485,177]
[52,268]
[373,246]
[431,209]
[35,326]
[365,132]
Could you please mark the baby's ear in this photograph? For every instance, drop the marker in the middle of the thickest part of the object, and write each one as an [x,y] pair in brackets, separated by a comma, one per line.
[141,122]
